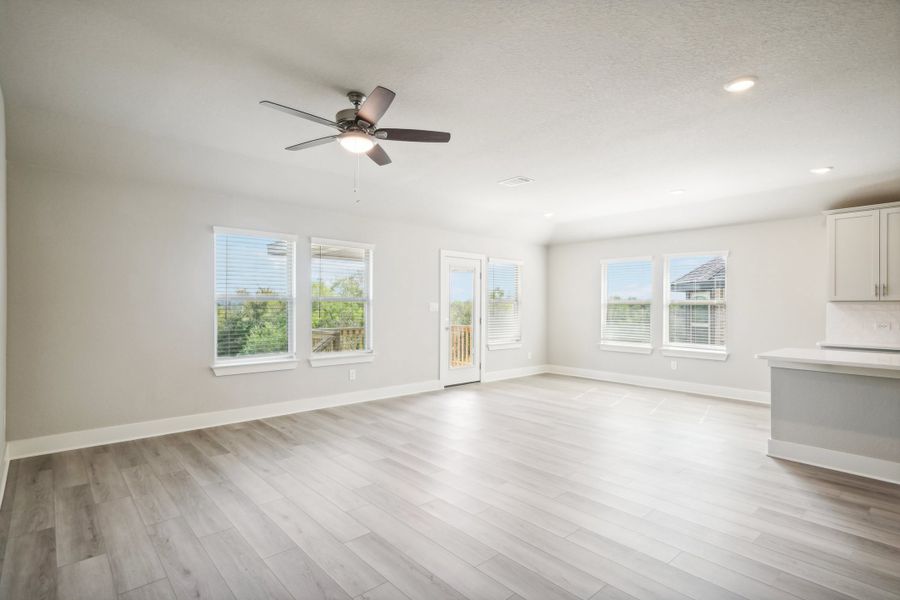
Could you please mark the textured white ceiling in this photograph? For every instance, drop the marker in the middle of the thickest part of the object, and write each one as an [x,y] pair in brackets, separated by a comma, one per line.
[607,105]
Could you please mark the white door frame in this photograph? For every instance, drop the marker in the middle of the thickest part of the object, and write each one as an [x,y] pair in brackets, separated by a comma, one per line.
[444,314]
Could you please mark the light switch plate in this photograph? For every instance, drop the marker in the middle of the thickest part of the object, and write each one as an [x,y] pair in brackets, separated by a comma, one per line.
[434,307]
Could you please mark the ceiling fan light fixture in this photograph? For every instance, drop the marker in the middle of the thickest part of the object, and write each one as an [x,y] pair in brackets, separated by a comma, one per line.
[356,142]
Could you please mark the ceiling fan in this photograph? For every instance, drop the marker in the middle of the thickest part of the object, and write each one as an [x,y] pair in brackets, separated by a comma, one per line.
[358,126]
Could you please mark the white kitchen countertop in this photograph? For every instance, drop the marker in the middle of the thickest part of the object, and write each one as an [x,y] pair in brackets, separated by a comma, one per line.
[852,346]
[889,361]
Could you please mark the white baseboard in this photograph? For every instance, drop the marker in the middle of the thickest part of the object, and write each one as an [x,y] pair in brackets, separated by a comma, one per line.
[854,464]
[120,433]
[674,385]
[513,373]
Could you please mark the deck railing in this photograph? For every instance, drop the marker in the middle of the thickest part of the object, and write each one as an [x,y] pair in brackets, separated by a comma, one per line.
[460,345]
[339,339]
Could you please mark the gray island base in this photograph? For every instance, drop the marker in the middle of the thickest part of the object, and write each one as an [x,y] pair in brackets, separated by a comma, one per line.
[838,409]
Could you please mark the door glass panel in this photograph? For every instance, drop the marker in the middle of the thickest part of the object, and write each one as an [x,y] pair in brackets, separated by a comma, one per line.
[462,296]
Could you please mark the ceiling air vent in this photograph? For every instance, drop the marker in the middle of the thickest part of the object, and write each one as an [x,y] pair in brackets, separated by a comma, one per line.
[514,181]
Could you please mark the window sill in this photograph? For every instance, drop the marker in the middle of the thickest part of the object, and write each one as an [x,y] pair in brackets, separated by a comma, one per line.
[700,353]
[254,366]
[343,358]
[505,346]
[626,347]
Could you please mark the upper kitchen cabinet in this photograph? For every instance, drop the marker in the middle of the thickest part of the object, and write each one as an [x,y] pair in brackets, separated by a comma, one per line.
[890,252]
[864,254]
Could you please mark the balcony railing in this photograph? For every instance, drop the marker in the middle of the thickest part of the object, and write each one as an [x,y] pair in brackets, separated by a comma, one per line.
[460,345]
[339,339]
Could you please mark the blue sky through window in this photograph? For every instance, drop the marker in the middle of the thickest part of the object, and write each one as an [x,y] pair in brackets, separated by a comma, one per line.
[250,263]
[629,279]
[461,287]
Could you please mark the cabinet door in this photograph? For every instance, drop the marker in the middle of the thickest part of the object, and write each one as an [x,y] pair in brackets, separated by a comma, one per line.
[890,253]
[853,253]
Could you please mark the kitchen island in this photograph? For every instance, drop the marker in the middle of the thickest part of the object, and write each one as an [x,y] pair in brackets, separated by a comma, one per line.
[838,409]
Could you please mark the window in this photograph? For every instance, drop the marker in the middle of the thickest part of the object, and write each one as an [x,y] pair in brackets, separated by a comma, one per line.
[254,298]
[695,301]
[627,304]
[341,301]
[504,321]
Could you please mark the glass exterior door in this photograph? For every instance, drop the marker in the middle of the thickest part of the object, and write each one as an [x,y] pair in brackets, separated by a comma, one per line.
[460,319]
[462,302]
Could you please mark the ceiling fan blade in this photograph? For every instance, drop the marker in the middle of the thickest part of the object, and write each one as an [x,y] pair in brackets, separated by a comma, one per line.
[311,143]
[412,135]
[376,105]
[299,113]
[378,154]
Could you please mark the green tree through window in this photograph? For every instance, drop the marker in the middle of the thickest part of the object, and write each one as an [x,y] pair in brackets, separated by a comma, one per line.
[254,294]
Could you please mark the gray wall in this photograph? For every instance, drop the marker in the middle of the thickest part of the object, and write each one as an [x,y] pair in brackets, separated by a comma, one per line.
[776,298]
[111,302]
[2,280]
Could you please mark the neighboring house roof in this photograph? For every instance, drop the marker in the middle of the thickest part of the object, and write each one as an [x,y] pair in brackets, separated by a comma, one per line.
[708,276]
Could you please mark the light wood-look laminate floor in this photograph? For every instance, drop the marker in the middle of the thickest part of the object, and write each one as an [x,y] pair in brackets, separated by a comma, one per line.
[541,488]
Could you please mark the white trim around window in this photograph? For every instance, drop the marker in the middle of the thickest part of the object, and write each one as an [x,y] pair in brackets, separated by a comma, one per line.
[701,353]
[626,347]
[327,359]
[224,365]
[341,358]
[254,366]
[619,345]
[687,349]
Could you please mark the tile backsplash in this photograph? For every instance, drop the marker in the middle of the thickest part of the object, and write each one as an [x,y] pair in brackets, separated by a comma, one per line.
[863,323]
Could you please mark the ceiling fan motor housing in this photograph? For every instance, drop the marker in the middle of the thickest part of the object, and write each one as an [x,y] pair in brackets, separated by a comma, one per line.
[346,117]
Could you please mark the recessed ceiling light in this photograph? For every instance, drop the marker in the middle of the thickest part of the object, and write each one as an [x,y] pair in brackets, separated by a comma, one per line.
[821,170]
[517,180]
[548,215]
[741,84]
[676,192]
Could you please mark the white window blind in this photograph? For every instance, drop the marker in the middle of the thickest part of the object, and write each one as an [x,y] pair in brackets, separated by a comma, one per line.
[627,301]
[504,321]
[695,300]
[254,294]
[341,296]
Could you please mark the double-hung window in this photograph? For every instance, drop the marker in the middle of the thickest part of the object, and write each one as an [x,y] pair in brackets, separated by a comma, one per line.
[627,305]
[695,293]
[341,290]
[254,318]
[504,320]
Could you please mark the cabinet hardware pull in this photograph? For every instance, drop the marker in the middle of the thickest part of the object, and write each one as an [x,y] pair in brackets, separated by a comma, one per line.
[884,289]
[876,290]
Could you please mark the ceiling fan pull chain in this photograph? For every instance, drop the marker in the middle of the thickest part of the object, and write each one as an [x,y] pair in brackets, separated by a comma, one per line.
[356,179]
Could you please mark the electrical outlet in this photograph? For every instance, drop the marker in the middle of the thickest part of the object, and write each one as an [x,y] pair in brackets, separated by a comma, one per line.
[883,325]
[674,365]
[352,374]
